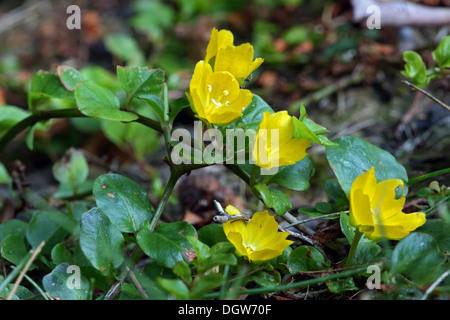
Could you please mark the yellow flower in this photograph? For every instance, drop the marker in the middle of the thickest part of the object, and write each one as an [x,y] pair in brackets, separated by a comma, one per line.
[216,96]
[375,211]
[258,239]
[224,56]
[275,145]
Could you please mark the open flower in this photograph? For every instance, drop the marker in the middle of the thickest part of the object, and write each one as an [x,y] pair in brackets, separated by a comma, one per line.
[375,211]
[216,96]
[275,145]
[224,56]
[258,239]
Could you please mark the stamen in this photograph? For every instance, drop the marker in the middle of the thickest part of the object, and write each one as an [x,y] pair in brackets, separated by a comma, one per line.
[209,88]
[225,92]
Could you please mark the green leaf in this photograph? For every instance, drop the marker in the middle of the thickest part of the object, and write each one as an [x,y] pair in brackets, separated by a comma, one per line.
[147,278]
[101,241]
[211,234]
[72,169]
[334,190]
[46,85]
[341,285]
[355,156]
[418,256]
[442,53]
[168,244]
[304,127]
[96,101]
[205,284]
[176,107]
[21,292]
[13,249]
[69,77]
[438,229]
[183,270]
[42,228]
[252,114]
[156,103]
[176,287]
[125,47]
[60,254]
[295,176]
[13,226]
[415,68]
[56,284]
[306,258]
[124,201]
[9,116]
[137,81]
[274,198]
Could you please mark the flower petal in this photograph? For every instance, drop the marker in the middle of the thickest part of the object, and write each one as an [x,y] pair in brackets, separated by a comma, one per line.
[384,202]
[218,39]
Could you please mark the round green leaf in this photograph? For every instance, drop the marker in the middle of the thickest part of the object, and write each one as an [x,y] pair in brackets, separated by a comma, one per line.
[100,241]
[274,198]
[138,81]
[306,258]
[56,284]
[354,156]
[168,244]
[295,176]
[124,201]
[418,256]
[96,101]
[252,114]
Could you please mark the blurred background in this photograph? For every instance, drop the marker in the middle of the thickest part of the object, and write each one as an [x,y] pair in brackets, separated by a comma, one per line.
[347,75]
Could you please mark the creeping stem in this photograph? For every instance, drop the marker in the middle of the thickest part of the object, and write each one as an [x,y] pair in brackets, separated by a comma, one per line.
[60,113]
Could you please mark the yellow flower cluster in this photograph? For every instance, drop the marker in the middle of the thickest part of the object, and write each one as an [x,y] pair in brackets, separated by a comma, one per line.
[214,91]
[216,97]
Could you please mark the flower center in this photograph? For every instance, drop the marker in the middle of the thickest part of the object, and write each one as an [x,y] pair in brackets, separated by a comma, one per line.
[217,100]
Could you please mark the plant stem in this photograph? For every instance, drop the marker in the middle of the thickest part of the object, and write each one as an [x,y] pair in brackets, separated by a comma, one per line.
[353,247]
[295,285]
[60,113]
[253,176]
[428,175]
[439,102]
[174,176]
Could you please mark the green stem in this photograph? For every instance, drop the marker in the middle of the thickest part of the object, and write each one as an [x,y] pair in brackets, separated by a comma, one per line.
[294,285]
[428,175]
[353,247]
[253,175]
[174,176]
[60,113]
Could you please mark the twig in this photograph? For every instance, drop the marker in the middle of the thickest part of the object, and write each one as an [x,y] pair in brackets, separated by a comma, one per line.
[435,284]
[329,215]
[25,269]
[439,102]
[137,284]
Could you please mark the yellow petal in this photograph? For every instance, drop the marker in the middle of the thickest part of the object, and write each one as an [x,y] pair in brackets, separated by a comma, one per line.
[236,239]
[365,182]
[384,205]
[360,211]
[399,225]
[232,210]
[218,39]
[237,60]
[261,229]
[293,151]
[238,226]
